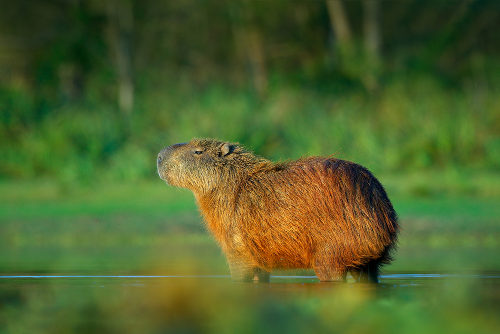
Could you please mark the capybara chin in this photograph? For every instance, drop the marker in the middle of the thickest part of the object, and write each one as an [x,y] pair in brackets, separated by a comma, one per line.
[322,213]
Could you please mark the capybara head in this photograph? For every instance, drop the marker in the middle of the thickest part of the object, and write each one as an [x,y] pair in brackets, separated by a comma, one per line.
[203,164]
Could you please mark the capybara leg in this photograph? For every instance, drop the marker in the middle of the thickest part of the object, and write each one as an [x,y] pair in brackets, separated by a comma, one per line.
[367,274]
[355,273]
[327,269]
[373,271]
[360,275]
[329,274]
[240,270]
[261,275]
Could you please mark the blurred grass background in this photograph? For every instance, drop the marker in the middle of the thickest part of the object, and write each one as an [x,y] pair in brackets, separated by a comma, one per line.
[90,91]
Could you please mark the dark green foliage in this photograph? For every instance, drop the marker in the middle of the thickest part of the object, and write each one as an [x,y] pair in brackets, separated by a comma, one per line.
[432,102]
[408,126]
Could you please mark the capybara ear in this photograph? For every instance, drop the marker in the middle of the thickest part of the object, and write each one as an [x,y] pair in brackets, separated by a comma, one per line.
[225,149]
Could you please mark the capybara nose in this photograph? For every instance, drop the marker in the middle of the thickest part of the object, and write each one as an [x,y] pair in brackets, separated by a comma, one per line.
[164,154]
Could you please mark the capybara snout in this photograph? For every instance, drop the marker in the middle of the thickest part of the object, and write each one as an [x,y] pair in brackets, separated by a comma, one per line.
[165,153]
[163,159]
[327,214]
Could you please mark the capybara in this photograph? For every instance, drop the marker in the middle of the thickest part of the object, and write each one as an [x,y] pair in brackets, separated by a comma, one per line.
[327,214]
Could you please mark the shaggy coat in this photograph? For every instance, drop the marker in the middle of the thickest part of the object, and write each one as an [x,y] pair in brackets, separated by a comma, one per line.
[322,213]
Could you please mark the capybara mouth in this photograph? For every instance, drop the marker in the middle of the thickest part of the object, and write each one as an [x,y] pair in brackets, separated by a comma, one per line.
[162,174]
[165,177]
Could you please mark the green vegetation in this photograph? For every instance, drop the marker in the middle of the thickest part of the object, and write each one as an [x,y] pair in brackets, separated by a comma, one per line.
[99,98]
[406,127]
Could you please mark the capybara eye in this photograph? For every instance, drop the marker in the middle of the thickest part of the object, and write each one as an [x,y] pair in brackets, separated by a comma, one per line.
[198,152]
[159,158]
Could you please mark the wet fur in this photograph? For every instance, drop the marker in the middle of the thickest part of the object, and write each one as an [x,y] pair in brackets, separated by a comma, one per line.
[322,213]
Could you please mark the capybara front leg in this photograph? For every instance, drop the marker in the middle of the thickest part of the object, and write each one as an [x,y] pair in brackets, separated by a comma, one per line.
[241,270]
[327,269]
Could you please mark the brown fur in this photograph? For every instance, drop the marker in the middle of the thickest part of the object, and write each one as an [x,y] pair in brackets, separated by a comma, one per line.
[322,213]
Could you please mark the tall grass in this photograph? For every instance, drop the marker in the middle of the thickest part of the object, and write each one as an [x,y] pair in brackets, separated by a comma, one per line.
[407,125]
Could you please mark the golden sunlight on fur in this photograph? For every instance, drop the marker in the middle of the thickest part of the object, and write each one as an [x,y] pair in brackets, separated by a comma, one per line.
[322,213]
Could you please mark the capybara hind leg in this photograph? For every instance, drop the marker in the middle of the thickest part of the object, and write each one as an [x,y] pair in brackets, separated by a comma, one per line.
[360,275]
[326,268]
[329,274]
[373,271]
[366,274]
[261,275]
[355,273]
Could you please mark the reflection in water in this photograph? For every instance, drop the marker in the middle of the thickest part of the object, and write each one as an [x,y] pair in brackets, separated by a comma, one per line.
[213,304]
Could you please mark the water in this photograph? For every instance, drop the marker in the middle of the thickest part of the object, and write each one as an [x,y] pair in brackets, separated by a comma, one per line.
[387,279]
[400,303]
